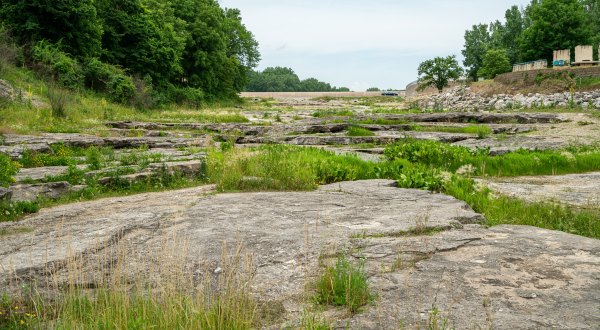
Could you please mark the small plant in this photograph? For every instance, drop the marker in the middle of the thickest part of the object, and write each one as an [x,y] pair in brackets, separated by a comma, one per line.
[8,169]
[93,157]
[313,321]
[359,131]
[344,284]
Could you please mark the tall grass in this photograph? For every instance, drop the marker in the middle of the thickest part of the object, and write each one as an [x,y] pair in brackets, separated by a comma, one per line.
[344,284]
[173,297]
[517,163]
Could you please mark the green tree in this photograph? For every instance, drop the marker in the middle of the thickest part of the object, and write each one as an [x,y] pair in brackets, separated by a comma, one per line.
[477,42]
[495,62]
[141,37]
[592,9]
[439,72]
[554,24]
[373,89]
[512,31]
[72,23]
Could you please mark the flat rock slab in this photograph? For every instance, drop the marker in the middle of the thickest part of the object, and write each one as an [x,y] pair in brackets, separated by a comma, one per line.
[574,189]
[51,190]
[40,173]
[513,277]
[288,233]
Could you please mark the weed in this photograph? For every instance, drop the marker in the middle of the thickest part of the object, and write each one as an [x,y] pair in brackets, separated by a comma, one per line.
[8,169]
[345,284]
[93,157]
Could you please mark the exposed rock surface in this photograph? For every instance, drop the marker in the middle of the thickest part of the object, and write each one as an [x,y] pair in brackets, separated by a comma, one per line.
[573,189]
[533,278]
[462,99]
[51,190]
[15,145]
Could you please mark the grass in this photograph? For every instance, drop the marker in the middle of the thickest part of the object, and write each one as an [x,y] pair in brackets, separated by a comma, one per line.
[344,284]
[87,112]
[518,163]
[381,121]
[359,131]
[505,210]
[171,299]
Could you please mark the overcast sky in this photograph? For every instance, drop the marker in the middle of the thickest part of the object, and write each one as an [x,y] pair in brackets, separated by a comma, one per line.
[359,43]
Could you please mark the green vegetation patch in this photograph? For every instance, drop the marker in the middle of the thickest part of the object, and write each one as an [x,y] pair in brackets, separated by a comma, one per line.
[359,131]
[482,131]
[344,284]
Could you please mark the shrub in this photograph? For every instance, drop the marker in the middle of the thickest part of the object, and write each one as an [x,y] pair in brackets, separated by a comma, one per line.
[8,169]
[63,68]
[345,284]
[109,79]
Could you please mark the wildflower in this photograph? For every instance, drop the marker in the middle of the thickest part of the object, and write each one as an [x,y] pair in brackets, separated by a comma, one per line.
[22,322]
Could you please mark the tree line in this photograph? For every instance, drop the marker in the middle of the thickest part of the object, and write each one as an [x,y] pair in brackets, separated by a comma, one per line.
[163,50]
[281,79]
[529,34]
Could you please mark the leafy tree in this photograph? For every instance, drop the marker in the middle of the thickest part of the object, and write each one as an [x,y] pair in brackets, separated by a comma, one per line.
[280,79]
[141,37]
[439,72]
[495,62]
[373,89]
[477,41]
[72,23]
[512,31]
[554,24]
[592,8]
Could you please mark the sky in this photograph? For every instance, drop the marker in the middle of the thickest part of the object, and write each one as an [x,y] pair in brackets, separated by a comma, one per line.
[359,43]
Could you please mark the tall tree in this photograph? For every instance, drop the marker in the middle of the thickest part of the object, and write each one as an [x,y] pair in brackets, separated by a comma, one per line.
[72,23]
[141,37]
[513,29]
[495,62]
[555,24]
[439,72]
[477,42]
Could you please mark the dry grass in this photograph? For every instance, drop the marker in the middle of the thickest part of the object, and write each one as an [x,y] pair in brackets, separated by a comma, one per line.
[123,287]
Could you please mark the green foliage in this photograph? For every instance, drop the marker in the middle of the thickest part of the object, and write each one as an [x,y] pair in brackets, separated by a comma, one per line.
[431,153]
[554,24]
[359,131]
[279,79]
[477,42]
[517,163]
[108,79]
[74,24]
[8,169]
[61,155]
[373,89]
[13,210]
[64,69]
[439,72]
[345,284]
[495,62]
[420,177]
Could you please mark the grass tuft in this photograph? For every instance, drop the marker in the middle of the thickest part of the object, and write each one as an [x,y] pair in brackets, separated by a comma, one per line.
[344,284]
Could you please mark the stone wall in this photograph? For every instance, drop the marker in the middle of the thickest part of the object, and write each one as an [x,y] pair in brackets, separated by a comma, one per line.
[528,77]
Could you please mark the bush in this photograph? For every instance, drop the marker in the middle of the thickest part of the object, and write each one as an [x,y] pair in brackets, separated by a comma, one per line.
[109,79]
[495,62]
[8,169]
[62,67]
[345,284]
